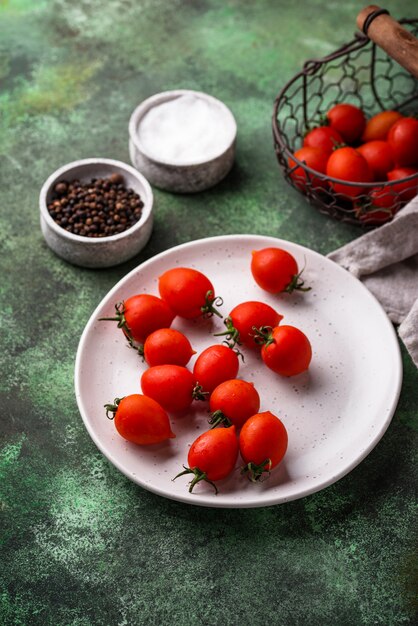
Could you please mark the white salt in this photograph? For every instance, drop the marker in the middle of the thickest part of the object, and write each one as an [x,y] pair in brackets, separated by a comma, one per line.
[185,130]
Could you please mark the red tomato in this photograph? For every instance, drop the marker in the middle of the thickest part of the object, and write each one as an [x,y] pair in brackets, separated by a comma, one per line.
[378,126]
[408,189]
[382,206]
[215,365]
[140,315]
[262,443]
[325,138]
[233,402]
[348,164]
[212,456]
[275,270]
[348,120]
[314,158]
[403,139]
[188,292]
[140,419]
[167,346]
[245,317]
[286,350]
[172,386]
[378,155]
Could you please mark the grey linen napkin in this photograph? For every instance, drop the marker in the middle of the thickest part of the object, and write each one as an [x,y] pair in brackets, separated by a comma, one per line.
[386,261]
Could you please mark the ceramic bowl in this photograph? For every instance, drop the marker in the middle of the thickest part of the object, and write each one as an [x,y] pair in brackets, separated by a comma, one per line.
[104,251]
[191,177]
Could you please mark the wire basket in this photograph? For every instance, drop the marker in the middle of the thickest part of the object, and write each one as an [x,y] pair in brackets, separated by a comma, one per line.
[358,73]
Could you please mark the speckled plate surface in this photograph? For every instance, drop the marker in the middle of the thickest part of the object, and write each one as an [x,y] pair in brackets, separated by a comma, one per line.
[335,413]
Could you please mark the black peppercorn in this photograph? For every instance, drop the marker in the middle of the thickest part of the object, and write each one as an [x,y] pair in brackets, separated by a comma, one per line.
[98,208]
[61,188]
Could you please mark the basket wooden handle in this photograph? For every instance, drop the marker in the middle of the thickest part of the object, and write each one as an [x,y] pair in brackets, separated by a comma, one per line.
[389,35]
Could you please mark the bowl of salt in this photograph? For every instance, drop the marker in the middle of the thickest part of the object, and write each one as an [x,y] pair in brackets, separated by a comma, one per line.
[182,141]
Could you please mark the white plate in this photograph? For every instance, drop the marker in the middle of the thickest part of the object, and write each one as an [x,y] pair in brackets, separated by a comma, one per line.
[334,414]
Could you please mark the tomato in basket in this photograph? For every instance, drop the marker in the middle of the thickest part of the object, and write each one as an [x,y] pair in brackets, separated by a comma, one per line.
[403,139]
[379,157]
[326,138]
[348,164]
[378,126]
[380,206]
[348,120]
[314,158]
[407,189]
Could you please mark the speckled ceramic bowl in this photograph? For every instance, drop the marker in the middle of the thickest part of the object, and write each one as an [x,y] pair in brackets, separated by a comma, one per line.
[188,178]
[104,251]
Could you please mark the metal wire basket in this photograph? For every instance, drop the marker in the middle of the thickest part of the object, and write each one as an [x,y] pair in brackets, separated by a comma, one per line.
[358,73]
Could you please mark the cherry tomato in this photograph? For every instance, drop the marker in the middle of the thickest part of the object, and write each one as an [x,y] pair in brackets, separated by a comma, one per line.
[188,292]
[167,346]
[378,126]
[314,158]
[172,386]
[408,189]
[348,120]
[348,164]
[245,317]
[140,315]
[378,155]
[215,365]
[382,206]
[212,456]
[233,402]
[140,419]
[286,350]
[262,443]
[326,138]
[275,270]
[403,139]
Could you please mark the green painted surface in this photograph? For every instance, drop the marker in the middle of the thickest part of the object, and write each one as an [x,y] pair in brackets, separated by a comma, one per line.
[80,544]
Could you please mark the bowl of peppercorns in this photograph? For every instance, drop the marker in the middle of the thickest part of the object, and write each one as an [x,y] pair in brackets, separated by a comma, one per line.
[96,212]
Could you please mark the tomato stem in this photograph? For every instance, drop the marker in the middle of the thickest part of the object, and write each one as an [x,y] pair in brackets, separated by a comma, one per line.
[263,336]
[208,309]
[112,408]
[122,323]
[255,471]
[218,417]
[198,476]
[237,352]
[231,333]
[296,284]
[198,393]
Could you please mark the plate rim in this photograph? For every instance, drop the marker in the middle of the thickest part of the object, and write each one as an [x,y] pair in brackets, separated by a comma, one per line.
[205,500]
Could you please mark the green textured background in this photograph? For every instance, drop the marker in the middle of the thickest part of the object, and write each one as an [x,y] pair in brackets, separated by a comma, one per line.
[80,544]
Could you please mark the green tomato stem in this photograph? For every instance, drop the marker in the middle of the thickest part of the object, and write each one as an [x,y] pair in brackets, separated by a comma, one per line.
[218,417]
[231,333]
[112,408]
[198,476]
[122,323]
[255,471]
[208,309]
